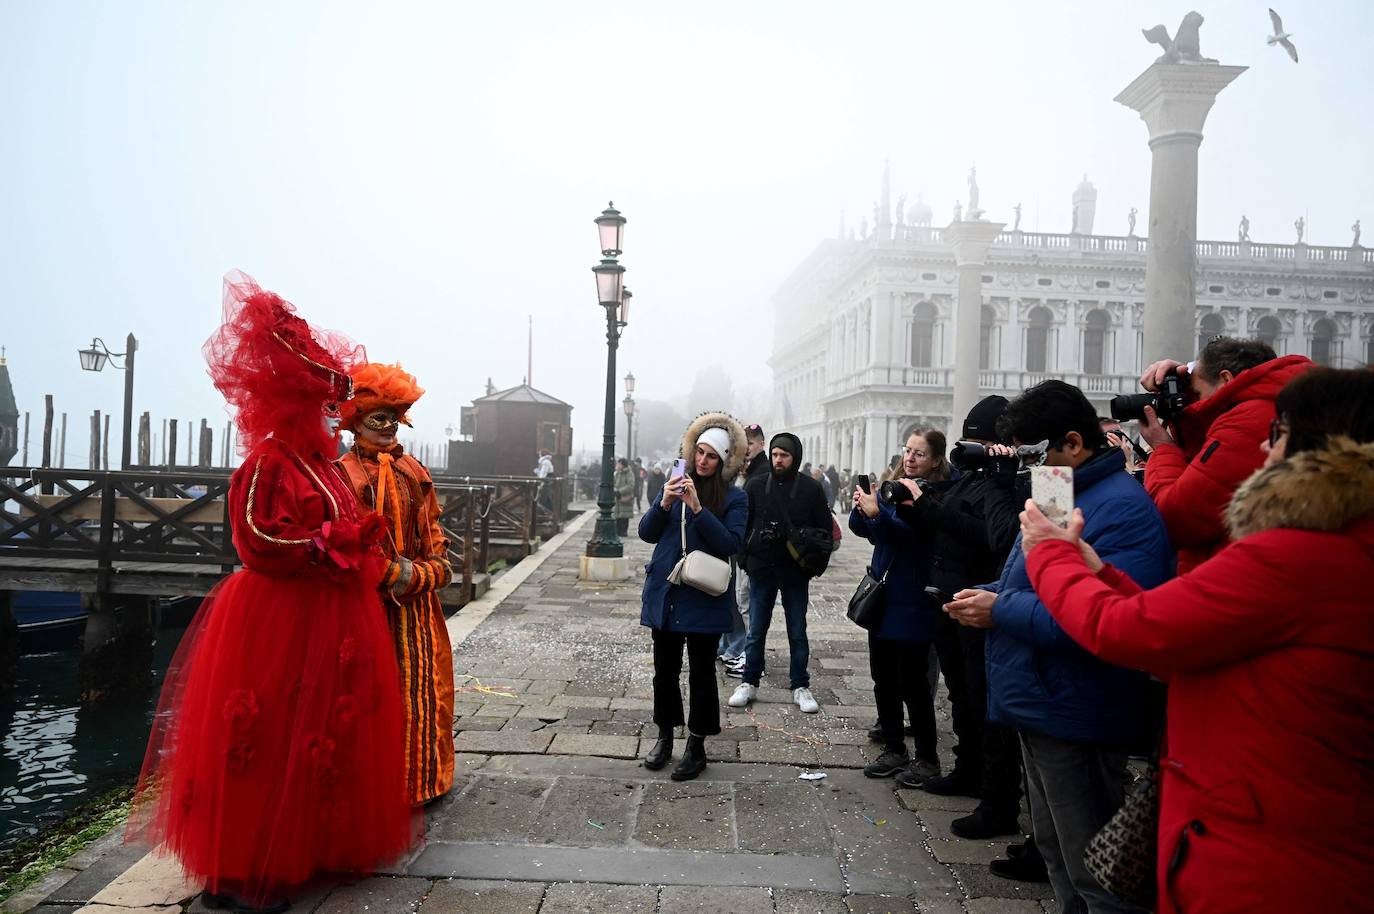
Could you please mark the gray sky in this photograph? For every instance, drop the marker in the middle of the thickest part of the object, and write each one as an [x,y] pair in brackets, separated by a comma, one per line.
[422,176]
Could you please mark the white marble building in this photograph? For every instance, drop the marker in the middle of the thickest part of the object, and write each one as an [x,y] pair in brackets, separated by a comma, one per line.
[864,339]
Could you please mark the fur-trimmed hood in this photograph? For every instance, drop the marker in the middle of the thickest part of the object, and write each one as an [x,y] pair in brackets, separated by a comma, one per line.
[1323,490]
[739,445]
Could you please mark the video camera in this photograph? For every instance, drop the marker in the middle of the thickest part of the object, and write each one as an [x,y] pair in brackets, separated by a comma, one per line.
[1167,402]
[972,457]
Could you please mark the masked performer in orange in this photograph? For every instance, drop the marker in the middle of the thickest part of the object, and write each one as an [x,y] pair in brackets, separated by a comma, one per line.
[268,762]
[398,489]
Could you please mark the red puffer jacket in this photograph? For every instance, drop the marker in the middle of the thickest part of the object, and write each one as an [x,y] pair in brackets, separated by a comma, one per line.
[1268,781]
[1221,438]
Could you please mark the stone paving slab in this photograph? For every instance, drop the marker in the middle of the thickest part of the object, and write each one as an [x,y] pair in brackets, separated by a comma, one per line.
[476,896]
[659,867]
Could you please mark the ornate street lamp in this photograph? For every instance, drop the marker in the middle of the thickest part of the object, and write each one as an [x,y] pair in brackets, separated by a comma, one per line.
[612,295]
[94,359]
[629,405]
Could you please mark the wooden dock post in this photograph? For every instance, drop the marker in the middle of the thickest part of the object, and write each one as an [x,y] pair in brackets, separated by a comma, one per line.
[62,444]
[9,646]
[171,440]
[105,445]
[46,488]
[144,445]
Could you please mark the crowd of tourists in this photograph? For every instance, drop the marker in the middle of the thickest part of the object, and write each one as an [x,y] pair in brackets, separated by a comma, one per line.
[1206,616]
[1209,617]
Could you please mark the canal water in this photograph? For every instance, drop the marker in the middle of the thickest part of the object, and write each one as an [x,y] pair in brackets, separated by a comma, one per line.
[56,755]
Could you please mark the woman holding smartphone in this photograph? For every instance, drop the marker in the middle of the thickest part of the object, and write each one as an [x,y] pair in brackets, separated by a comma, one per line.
[698,495]
[899,647]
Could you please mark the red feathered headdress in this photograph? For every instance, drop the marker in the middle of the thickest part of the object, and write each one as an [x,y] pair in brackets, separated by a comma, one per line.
[376,386]
[276,371]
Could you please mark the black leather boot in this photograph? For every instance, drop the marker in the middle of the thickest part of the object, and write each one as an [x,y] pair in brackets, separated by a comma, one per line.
[693,760]
[662,751]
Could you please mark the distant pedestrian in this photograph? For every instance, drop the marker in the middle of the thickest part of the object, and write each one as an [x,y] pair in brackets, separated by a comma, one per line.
[702,507]
[624,496]
[654,484]
[637,468]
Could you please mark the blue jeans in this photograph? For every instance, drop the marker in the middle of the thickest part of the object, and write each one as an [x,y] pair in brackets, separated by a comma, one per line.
[763,593]
[732,643]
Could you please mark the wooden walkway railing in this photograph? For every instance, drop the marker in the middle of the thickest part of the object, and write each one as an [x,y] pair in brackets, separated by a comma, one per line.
[142,531]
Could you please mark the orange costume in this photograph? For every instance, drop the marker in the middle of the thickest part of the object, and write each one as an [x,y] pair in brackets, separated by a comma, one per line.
[397,487]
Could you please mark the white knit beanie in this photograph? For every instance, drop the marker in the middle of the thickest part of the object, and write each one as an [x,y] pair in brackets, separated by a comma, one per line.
[718,440]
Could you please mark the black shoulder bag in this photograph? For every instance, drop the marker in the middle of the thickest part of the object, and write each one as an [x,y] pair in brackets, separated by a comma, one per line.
[866,605]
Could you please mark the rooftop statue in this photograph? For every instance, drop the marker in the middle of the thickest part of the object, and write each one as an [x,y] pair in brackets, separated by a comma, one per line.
[1016,227]
[973,211]
[1244,227]
[1185,46]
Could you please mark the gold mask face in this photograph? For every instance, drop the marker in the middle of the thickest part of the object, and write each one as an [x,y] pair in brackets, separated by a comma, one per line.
[382,421]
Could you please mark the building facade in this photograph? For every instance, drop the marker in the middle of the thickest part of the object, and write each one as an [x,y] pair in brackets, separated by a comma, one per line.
[864,340]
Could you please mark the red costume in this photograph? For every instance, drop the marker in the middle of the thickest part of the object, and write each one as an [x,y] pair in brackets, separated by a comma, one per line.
[267,762]
[399,490]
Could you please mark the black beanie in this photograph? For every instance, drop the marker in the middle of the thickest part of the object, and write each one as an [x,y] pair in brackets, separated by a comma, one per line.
[982,419]
[788,442]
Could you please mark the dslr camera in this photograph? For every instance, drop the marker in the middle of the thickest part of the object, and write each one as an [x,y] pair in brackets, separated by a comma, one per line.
[770,534]
[1167,402]
[894,493]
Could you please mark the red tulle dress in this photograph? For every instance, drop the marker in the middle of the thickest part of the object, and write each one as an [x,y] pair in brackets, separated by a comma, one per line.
[275,753]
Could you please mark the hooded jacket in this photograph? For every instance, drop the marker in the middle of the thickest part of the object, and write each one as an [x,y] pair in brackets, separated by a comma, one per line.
[1039,679]
[1221,436]
[1268,774]
[678,607]
[778,501]
[974,520]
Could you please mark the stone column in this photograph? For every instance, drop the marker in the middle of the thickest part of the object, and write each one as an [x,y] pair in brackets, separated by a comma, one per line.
[1173,100]
[970,241]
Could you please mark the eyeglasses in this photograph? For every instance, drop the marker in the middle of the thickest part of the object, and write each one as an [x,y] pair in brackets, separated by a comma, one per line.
[913,452]
[1277,429]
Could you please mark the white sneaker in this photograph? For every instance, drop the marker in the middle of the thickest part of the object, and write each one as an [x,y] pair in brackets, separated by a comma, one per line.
[805,700]
[743,695]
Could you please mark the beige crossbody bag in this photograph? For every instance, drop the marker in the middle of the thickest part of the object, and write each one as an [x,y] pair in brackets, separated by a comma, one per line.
[698,569]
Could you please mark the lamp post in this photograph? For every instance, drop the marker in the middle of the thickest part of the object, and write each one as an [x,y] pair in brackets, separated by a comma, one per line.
[629,405]
[94,359]
[614,298]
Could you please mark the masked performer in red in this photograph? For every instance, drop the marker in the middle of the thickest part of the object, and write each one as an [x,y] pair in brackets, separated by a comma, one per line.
[399,490]
[271,759]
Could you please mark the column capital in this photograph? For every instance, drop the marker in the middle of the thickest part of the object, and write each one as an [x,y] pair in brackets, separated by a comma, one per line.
[1173,99]
[971,240]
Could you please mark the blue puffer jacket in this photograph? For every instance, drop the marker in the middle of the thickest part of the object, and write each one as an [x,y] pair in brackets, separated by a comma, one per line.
[904,554]
[1039,679]
[677,607]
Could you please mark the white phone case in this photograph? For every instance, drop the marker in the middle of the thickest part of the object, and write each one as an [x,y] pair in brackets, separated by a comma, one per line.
[1052,490]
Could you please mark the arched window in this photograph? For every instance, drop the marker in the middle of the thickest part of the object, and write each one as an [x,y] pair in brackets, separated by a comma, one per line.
[1323,332]
[1211,326]
[1267,331]
[989,317]
[923,336]
[1095,342]
[1038,339]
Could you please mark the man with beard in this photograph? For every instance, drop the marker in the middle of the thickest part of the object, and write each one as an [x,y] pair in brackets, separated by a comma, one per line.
[785,508]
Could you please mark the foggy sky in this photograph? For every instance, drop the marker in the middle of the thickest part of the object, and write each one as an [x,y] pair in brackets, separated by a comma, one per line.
[423,176]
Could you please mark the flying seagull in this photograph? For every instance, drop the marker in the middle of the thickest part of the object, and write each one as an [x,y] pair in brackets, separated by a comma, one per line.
[1280,37]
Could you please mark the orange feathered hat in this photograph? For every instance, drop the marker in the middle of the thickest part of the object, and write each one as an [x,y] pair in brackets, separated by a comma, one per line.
[378,386]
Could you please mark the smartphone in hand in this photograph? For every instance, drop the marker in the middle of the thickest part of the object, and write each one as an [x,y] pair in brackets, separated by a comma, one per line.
[679,468]
[864,483]
[1052,491]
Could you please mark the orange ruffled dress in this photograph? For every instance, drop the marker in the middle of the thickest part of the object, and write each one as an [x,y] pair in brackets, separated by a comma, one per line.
[403,488]
[270,759]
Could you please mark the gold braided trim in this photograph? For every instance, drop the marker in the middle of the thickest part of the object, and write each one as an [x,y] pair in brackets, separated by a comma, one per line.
[248,513]
[252,497]
[333,373]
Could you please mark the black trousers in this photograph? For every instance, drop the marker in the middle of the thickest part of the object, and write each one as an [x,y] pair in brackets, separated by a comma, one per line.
[701,681]
[988,752]
[899,672]
[622,526]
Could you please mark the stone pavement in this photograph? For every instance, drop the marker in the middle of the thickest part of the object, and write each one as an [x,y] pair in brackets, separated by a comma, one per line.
[553,813]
